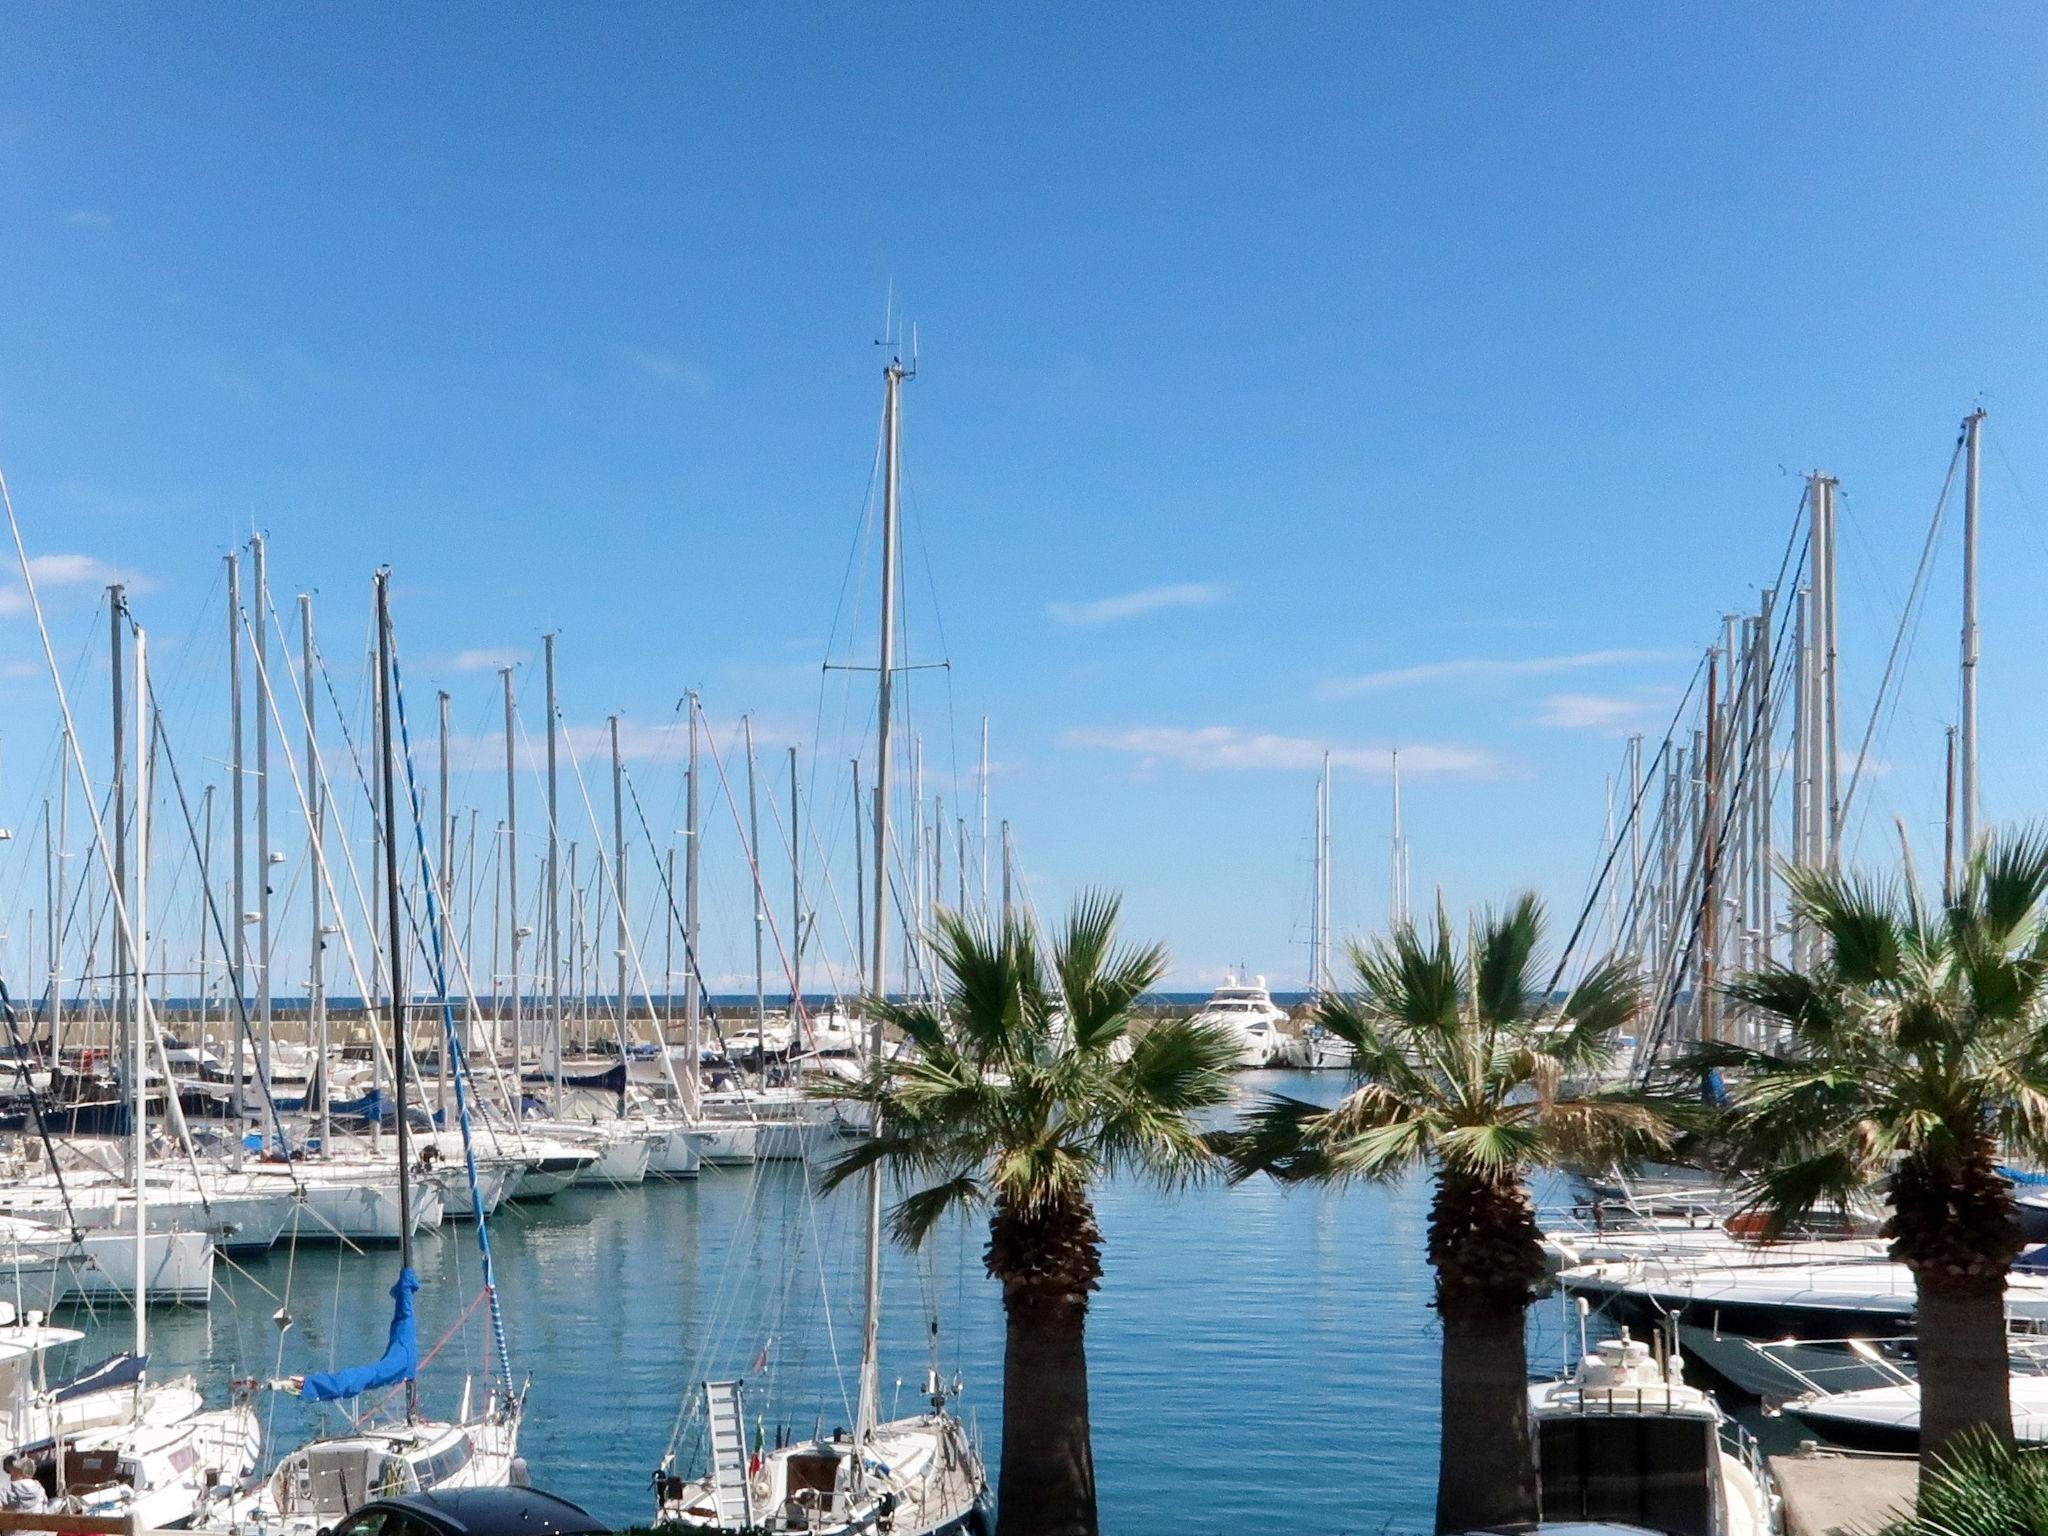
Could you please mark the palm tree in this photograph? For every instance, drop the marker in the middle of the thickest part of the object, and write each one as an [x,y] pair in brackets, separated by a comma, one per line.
[1028,1085]
[1460,1064]
[1906,1054]
[1980,1486]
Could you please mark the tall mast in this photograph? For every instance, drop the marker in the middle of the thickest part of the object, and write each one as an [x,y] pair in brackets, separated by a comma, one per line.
[796,895]
[139,1016]
[58,924]
[1831,694]
[261,627]
[870,1345]
[1007,861]
[316,814]
[510,861]
[1329,869]
[395,967]
[1710,849]
[981,780]
[693,998]
[445,852]
[238,941]
[117,800]
[619,878]
[760,914]
[554,887]
[1967,761]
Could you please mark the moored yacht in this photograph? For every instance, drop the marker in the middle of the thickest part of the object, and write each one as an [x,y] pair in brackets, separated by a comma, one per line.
[1626,1439]
[1245,1011]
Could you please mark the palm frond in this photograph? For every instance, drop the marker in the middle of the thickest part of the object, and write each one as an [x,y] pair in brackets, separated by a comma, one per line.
[1503,956]
[912,1218]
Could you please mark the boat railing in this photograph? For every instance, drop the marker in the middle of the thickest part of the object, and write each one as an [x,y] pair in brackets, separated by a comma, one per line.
[1860,1358]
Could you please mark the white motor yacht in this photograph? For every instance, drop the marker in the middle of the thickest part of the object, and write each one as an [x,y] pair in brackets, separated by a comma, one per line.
[1624,1438]
[1246,1012]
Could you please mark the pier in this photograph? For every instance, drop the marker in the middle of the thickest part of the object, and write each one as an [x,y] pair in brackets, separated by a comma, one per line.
[1841,1493]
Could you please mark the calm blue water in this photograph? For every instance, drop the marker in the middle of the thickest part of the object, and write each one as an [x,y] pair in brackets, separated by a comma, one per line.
[1260,1357]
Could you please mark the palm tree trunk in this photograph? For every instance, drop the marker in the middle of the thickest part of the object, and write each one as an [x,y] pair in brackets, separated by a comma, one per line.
[1048,1260]
[1965,1369]
[1486,1473]
[1953,1225]
[1048,1471]
[1487,1249]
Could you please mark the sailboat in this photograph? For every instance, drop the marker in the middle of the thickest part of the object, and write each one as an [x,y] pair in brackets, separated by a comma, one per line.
[160,1461]
[917,1476]
[325,1480]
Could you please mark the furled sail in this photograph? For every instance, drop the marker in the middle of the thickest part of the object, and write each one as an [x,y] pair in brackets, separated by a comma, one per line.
[400,1362]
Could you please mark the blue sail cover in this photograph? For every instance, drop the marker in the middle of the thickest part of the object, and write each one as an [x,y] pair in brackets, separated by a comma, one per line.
[401,1360]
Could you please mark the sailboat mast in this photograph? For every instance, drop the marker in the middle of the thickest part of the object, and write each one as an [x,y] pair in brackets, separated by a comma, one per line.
[760,912]
[1967,759]
[510,861]
[693,996]
[259,574]
[117,797]
[870,1343]
[395,965]
[138,1018]
[316,814]
[445,851]
[554,888]
[981,780]
[796,895]
[238,943]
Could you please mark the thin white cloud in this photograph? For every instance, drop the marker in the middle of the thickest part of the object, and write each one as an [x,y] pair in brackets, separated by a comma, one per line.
[486,660]
[1230,749]
[667,367]
[1611,714]
[52,572]
[1130,605]
[88,218]
[1482,669]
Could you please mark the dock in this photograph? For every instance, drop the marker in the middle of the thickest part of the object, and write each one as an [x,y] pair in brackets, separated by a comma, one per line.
[1843,1493]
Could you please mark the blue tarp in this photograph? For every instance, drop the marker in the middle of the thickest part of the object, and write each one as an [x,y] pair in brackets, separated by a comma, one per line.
[401,1361]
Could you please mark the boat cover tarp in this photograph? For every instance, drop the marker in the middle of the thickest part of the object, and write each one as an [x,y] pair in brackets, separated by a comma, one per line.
[401,1358]
[371,1106]
[122,1370]
[613,1081]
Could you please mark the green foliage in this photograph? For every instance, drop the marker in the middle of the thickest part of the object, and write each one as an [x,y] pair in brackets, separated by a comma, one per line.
[1026,1084]
[1917,1034]
[1460,1060]
[1980,1486]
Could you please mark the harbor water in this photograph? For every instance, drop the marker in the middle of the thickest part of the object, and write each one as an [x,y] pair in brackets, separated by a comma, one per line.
[1260,1358]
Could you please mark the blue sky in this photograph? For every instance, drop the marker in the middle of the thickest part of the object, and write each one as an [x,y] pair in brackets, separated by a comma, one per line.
[1291,377]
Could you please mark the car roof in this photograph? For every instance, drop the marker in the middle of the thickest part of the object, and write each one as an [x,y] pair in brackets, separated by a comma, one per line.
[499,1511]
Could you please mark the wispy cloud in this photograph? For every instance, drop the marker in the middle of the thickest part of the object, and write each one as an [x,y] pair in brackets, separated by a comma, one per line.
[88,218]
[1482,669]
[1231,749]
[1612,714]
[667,367]
[1130,605]
[52,572]
[485,660]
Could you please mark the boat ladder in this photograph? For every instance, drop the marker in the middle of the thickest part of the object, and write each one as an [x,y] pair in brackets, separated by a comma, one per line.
[731,1490]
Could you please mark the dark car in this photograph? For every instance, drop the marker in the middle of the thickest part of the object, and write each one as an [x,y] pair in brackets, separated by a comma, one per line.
[471,1512]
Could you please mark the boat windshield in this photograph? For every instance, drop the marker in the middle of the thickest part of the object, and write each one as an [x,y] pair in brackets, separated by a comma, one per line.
[1661,1473]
